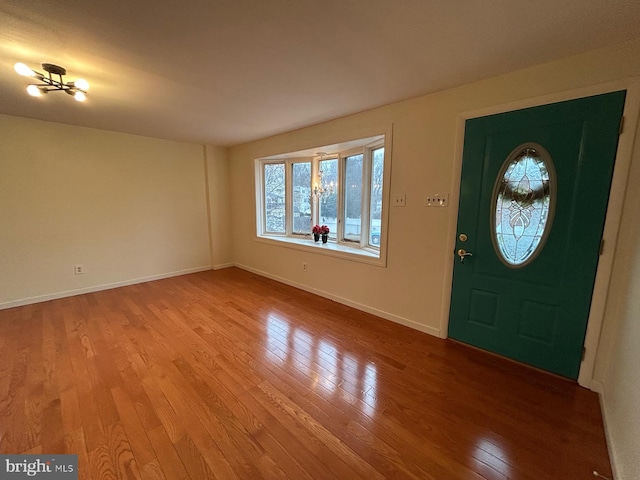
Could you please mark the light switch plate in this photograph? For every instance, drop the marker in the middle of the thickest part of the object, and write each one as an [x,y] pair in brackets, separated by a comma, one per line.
[436,200]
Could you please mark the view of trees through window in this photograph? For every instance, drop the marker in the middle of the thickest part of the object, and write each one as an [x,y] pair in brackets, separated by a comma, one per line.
[375,208]
[353,198]
[343,191]
[301,197]
[328,201]
[274,197]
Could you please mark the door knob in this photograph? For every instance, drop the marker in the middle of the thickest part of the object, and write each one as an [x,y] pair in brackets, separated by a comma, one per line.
[463,253]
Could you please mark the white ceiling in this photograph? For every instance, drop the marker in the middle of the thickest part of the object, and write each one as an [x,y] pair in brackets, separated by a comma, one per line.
[227,71]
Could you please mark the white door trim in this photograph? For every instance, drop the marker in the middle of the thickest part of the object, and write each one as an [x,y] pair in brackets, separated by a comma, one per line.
[614,210]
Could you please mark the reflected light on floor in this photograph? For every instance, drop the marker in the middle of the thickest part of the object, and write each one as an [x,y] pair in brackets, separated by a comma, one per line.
[493,455]
[276,349]
[370,386]
[302,342]
[330,371]
[349,374]
[327,359]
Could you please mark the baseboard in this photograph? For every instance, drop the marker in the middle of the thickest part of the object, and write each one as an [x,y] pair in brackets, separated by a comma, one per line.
[598,387]
[224,265]
[345,301]
[97,288]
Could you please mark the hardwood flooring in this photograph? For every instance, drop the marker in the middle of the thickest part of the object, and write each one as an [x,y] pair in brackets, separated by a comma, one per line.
[227,374]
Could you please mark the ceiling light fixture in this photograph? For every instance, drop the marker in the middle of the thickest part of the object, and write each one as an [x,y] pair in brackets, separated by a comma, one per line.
[77,89]
[321,188]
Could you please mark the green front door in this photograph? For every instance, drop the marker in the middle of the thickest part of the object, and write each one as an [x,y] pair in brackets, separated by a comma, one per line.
[533,198]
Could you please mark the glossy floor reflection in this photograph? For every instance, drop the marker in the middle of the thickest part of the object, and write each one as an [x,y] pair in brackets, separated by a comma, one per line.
[229,375]
[493,455]
[317,362]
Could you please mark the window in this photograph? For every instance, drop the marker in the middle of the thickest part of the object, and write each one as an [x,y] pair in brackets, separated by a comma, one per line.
[326,194]
[274,198]
[341,186]
[353,198]
[524,204]
[375,208]
[301,177]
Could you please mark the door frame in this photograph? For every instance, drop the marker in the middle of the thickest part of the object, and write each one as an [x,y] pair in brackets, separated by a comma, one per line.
[614,209]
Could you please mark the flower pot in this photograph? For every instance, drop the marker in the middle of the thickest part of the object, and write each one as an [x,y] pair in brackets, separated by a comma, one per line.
[325,237]
[316,237]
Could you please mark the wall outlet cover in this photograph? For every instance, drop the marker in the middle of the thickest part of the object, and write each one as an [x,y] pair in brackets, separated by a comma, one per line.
[399,199]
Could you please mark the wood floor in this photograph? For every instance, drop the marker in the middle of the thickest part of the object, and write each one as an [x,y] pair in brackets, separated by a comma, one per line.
[229,375]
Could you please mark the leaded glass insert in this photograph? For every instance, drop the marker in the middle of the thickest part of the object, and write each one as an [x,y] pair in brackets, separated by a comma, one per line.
[524,202]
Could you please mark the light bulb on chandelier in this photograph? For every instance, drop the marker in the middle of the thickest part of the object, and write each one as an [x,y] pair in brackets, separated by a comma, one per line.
[23,70]
[82,84]
[77,89]
[34,91]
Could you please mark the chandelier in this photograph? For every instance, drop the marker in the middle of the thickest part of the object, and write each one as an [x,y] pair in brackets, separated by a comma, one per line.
[321,188]
[77,89]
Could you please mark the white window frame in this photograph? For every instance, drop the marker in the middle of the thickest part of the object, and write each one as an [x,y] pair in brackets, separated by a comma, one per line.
[367,171]
[363,250]
[261,181]
[288,172]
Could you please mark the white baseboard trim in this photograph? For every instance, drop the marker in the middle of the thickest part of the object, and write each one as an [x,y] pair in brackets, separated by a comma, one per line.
[97,288]
[358,306]
[224,265]
[598,387]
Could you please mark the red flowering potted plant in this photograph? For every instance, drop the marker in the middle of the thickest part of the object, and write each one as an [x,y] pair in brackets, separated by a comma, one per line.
[317,231]
[320,230]
[325,233]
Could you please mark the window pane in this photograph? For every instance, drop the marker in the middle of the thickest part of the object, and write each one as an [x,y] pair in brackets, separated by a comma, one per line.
[353,197]
[375,209]
[523,205]
[274,197]
[301,210]
[328,201]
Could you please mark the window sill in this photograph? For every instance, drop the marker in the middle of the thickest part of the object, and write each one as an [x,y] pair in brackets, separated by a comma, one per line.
[331,248]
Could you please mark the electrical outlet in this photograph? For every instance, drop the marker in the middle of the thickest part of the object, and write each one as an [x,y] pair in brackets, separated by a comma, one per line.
[304,267]
[399,200]
[436,200]
[78,269]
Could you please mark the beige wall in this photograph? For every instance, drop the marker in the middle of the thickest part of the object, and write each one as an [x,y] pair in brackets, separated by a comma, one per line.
[219,206]
[414,287]
[618,367]
[124,206]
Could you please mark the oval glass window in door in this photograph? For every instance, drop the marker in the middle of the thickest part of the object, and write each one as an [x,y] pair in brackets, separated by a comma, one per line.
[523,205]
